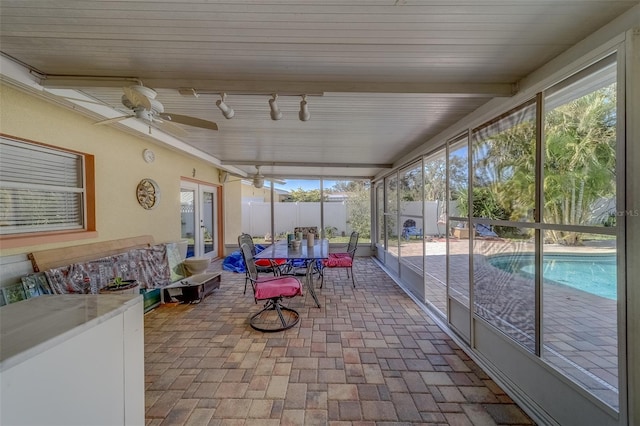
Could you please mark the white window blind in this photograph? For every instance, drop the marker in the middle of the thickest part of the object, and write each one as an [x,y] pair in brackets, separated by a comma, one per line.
[41,188]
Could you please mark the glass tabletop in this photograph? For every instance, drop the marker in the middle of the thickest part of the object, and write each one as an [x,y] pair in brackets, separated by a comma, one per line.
[280,250]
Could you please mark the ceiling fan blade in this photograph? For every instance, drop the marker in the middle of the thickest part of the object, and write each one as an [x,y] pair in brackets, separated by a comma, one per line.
[278,181]
[113,120]
[170,127]
[189,121]
[136,98]
[86,101]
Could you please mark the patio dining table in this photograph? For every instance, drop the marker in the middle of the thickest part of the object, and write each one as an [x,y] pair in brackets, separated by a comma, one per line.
[308,254]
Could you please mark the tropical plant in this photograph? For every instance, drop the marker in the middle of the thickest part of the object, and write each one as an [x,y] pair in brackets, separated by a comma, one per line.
[358,205]
[391,207]
[118,282]
[580,160]
[485,204]
[504,164]
[410,184]
[300,195]
[579,165]
[435,179]
[330,231]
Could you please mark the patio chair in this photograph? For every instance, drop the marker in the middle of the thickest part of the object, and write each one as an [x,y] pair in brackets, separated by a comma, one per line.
[342,259]
[409,229]
[485,231]
[273,316]
[263,265]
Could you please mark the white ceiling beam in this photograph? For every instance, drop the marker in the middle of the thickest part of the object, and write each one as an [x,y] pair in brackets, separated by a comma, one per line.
[292,87]
[305,164]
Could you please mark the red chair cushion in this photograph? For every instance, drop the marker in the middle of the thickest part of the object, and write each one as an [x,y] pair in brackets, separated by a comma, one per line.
[339,255]
[266,263]
[279,287]
[338,260]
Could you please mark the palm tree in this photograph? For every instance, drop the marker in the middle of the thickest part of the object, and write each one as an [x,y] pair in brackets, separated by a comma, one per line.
[504,165]
[580,160]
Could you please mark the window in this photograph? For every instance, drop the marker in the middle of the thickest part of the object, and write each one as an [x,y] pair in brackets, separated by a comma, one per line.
[391,214]
[503,154]
[580,253]
[503,193]
[435,228]
[347,208]
[302,211]
[335,207]
[536,234]
[410,188]
[42,189]
[458,226]
[380,215]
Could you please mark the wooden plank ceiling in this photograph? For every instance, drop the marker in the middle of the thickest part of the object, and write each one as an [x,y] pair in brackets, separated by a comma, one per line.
[382,76]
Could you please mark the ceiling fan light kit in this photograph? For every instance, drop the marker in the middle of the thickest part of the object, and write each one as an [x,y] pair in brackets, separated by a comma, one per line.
[258,182]
[258,178]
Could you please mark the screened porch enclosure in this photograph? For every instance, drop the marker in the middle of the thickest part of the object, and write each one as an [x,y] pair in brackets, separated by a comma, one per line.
[526,251]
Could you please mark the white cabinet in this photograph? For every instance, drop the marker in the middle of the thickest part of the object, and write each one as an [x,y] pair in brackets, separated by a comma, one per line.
[72,360]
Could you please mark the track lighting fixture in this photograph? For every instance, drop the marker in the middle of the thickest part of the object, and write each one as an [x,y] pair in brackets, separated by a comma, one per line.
[188,91]
[226,110]
[276,114]
[304,109]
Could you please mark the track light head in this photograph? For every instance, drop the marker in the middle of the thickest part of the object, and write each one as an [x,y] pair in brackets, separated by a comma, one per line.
[304,109]
[276,114]
[226,110]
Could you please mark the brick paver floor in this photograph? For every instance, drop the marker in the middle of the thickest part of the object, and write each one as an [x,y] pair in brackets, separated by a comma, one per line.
[368,356]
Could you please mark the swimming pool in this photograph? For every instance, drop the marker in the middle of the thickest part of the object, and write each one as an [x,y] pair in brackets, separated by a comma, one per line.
[592,273]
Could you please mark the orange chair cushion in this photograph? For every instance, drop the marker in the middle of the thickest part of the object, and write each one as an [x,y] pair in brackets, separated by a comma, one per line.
[279,287]
[338,260]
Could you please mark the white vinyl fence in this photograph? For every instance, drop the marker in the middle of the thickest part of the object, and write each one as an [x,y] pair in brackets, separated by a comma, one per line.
[432,212]
[256,217]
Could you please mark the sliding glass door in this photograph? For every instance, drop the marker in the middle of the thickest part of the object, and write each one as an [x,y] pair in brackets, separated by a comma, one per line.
[199,219]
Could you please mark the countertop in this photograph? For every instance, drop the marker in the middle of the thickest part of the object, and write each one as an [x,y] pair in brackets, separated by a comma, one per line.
[32,326]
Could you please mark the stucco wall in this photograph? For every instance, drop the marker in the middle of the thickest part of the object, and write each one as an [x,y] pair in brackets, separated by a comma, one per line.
[119,167]
[232,195]
[234,192]
[250,191]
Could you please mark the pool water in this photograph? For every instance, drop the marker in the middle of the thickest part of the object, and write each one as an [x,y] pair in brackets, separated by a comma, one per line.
[595,274]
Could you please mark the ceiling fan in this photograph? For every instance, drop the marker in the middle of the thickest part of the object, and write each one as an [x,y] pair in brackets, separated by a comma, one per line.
[143,104]
[257,179]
